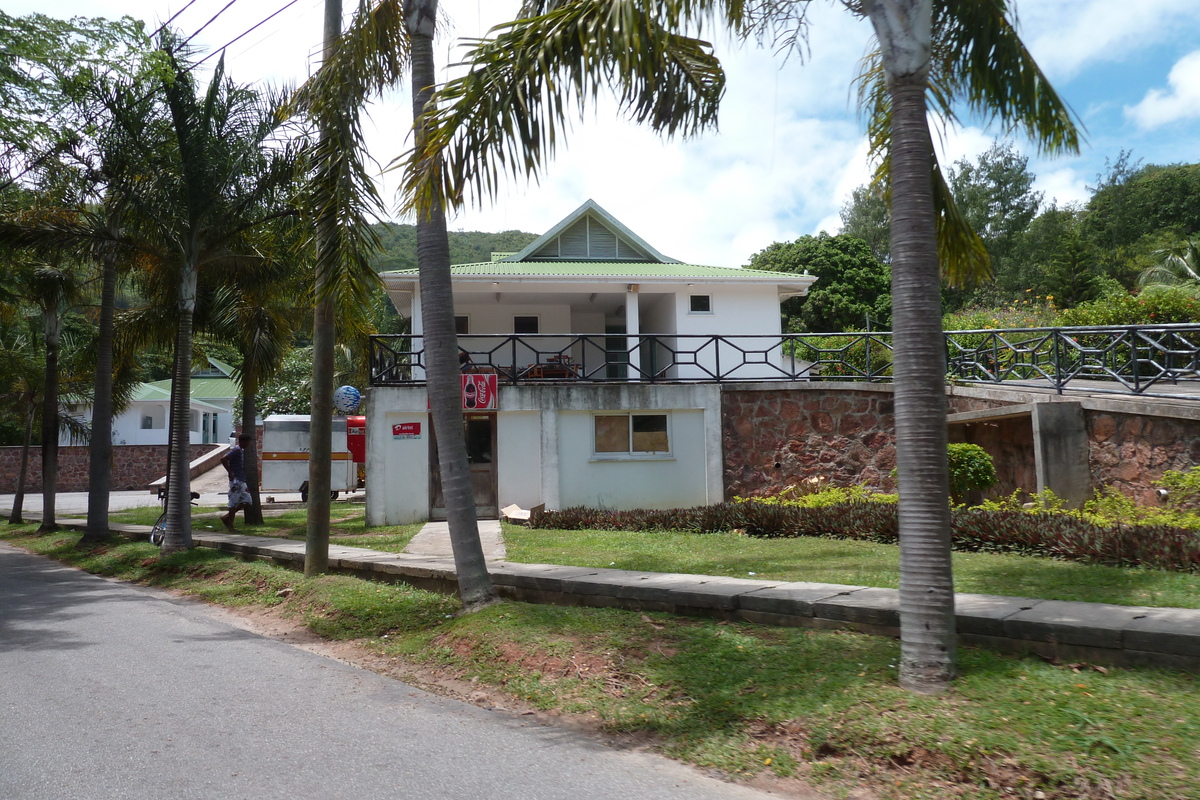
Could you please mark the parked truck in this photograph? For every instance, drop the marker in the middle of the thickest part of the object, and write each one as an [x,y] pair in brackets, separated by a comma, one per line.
[286,454]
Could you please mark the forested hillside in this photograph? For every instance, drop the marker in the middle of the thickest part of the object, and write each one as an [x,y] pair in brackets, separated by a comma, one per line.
[466,247]
[1130,254]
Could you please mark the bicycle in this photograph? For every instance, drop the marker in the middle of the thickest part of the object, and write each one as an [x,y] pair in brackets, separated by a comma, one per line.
[159,532]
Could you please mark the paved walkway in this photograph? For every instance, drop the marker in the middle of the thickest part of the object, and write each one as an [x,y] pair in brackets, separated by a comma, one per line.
[434,540]
[1053,629]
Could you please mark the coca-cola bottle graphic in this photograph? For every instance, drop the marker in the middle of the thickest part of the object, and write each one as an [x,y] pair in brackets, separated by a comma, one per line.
[469,396]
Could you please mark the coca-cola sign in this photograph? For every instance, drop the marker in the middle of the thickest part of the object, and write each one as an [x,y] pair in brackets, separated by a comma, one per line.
[479,392]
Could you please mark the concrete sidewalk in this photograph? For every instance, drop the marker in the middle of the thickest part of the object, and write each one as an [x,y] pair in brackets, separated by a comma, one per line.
[434,540]
[1052,629]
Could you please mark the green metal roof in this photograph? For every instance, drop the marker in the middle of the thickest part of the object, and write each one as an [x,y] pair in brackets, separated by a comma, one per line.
[601,269]
[202,389]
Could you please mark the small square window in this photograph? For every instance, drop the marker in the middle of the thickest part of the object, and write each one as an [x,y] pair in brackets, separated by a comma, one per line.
[525,325]
[461,326]
[701,304]
[649,433]
[631,434]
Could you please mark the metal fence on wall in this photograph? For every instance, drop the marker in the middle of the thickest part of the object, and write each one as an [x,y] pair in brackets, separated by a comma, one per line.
[1143,359]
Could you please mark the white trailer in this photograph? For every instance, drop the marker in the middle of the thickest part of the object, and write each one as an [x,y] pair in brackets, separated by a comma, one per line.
[286,455]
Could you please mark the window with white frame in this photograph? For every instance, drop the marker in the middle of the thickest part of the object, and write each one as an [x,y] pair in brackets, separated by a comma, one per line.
[700,304]
[631,434]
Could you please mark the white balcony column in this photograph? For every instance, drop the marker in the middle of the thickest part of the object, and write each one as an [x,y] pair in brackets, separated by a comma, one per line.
[417,326]
[632,331]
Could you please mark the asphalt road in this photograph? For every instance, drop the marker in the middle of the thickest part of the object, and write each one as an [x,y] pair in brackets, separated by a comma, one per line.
[113,691]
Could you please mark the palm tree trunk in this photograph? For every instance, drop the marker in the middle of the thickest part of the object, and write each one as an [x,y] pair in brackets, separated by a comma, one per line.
[100,450]
[53,330]
[178,533]
[320,425]
[254,515]
[441,342]
[927,661]
[18,509]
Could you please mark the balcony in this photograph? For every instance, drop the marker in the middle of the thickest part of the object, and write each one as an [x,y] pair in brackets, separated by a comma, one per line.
[1141,359]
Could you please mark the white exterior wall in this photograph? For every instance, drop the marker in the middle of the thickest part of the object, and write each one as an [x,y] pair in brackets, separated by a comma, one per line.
[676,480]
[545,450]
[497,318]
[127,427]
[519,469]
[397,469]
[752,310]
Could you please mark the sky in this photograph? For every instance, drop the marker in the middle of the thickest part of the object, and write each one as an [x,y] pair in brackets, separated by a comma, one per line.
[790,147]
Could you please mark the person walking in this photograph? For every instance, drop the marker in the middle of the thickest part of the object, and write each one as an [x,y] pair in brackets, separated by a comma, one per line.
[234,463]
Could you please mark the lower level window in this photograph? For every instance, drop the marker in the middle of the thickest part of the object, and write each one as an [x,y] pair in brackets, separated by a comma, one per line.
[631,433]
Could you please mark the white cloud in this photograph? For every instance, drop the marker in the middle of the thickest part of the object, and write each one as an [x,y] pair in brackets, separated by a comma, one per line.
[1182,101]
[1061,186]
[1065,36]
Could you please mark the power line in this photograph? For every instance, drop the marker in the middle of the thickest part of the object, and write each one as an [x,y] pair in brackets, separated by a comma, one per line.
[210,22]
[190,67]
[172,19]
[222,48]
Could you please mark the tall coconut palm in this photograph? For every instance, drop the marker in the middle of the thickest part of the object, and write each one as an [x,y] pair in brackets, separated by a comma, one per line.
[213,169]
[441,340]
[370,56]
[503,116]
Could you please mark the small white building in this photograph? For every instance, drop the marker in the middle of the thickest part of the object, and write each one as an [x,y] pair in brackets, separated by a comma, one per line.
[145,420]
[606,357]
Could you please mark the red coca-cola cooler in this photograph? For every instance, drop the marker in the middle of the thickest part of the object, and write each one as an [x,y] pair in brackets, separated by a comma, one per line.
[356,443]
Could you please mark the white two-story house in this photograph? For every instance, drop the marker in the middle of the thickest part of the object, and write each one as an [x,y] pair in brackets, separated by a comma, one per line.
[592,366]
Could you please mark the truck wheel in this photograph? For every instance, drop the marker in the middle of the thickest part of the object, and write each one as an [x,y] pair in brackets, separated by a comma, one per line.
[304,492]
[333,495]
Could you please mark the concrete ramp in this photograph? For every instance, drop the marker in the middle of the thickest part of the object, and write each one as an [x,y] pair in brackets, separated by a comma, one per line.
[434,540]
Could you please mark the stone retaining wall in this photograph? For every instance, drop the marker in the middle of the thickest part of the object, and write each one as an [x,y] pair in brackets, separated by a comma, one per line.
[778,437]
[133,467]
[775,437]
[1129,452]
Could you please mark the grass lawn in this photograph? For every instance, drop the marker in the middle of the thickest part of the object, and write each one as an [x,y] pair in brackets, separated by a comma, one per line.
[744,699]
[347,524]
[847,562]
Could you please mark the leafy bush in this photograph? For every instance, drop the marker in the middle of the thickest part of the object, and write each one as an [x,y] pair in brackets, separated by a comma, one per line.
[998,530]
[971,468]
[1183,489]
[1035,312]
[1155,305]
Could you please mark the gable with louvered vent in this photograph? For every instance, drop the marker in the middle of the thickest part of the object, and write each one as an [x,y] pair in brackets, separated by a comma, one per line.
[588,239]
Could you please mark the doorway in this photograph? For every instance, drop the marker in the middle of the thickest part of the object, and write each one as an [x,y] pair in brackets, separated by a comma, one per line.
[480,433]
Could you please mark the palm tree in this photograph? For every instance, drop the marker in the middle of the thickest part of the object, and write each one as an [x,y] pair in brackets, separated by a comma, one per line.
[54,288]
[441,340]
[1177,266]
[211,171]
[344,203]
[259,311]
[371,56]
[503,116]
[89,236]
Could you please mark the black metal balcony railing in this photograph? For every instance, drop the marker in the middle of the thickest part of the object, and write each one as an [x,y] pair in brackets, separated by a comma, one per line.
[1134,358]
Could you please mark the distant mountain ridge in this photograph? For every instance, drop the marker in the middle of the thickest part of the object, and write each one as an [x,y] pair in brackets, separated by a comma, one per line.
[466,247]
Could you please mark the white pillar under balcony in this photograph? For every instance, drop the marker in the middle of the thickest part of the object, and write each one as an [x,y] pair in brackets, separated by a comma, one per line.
[632,331]
[417,326]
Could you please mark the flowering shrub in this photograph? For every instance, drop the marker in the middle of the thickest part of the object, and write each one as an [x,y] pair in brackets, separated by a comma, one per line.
[1155,305]
[1034,312]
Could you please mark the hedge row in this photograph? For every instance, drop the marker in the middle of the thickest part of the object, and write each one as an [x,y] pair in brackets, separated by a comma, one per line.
[973,530]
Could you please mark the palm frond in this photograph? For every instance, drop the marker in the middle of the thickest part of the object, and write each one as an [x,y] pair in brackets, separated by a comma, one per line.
[980,59]
[504,115]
